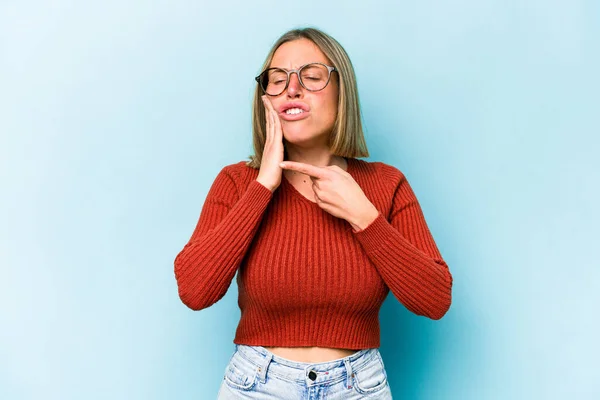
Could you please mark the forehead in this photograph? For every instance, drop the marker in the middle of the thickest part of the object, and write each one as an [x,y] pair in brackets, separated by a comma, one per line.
[298,52]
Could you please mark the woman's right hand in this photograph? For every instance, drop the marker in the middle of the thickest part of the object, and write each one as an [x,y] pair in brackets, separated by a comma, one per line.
[270,171]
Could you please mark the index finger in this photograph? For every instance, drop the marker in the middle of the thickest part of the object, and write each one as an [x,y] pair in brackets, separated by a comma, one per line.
[311,170]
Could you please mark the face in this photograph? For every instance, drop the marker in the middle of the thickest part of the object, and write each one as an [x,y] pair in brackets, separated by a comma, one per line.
[312,126]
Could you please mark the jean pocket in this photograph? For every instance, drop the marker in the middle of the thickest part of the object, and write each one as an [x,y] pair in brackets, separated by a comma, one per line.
[240,374]
[372,377]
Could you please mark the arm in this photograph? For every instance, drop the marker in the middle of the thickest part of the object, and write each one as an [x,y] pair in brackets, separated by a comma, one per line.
[407,257]
[205,267]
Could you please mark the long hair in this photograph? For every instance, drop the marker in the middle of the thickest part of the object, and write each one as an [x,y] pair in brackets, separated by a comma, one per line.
[347,137]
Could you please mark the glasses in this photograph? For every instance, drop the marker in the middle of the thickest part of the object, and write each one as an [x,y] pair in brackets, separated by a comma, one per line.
[313,77]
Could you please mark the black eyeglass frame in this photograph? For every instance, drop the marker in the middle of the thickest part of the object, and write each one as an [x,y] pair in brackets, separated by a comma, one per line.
[330,69]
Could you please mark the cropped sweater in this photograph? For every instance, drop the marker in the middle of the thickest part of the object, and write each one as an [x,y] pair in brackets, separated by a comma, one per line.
[304,276]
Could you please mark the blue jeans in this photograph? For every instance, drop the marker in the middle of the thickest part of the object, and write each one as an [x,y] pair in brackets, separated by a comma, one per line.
[253,372]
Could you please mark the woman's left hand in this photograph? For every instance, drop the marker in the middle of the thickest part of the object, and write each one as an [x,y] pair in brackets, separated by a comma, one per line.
[338,193]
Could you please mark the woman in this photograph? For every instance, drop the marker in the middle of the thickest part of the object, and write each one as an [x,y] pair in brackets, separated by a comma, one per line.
[318,242]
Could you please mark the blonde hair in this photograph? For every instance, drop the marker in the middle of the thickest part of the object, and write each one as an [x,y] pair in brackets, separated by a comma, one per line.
[347,137]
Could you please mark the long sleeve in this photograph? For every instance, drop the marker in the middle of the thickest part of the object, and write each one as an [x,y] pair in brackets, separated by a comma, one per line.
[205,267]
[406,256]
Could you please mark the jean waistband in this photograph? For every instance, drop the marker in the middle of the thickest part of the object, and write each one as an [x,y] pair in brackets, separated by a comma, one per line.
[310,373]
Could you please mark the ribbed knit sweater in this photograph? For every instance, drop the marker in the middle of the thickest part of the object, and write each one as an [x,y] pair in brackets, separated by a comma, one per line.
[304,276]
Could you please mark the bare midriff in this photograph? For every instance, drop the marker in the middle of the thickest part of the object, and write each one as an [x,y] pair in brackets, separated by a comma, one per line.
[310,354]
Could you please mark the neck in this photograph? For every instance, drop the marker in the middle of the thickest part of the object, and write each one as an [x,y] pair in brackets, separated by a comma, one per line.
[319,158]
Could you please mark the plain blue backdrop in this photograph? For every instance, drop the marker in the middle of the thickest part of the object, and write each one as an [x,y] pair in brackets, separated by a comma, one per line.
[115,117]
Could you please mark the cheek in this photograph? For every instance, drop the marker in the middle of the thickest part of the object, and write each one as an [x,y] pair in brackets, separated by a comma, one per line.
[327,106]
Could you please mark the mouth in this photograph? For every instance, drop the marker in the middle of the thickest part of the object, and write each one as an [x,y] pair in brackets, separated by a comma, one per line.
[294,114]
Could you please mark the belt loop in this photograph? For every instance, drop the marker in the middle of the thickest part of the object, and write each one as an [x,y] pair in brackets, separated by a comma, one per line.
[262,370]
[349,373]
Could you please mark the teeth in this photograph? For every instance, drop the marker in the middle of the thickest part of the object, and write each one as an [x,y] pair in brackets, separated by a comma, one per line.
[294,111]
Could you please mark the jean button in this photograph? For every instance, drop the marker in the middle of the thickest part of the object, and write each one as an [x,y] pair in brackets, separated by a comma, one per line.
[312,375]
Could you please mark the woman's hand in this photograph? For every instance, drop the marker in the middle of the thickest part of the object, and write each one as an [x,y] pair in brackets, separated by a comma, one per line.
[338,193]
[270,171]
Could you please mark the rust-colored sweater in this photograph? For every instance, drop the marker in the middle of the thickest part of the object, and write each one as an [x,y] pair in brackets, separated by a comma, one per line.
[305,277]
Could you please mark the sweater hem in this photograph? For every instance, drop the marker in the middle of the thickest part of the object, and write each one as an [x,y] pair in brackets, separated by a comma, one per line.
[338,345]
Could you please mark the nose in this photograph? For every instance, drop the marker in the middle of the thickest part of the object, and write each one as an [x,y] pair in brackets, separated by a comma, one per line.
[294,88]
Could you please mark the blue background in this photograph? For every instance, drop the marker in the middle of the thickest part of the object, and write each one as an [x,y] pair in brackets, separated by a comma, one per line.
[115,117]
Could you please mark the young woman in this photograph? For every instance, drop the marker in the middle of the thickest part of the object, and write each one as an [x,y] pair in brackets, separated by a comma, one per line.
[317,242]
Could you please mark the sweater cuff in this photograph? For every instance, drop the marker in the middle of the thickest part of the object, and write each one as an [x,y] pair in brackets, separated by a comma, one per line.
[376,234]
[258,193]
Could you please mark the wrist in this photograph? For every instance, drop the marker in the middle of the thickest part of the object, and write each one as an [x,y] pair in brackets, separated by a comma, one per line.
[365,219]
[265,185]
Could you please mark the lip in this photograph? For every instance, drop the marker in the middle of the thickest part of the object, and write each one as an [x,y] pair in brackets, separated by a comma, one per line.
[293,104]
[293,117]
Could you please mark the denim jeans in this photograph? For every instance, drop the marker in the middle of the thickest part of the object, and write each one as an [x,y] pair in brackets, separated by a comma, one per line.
[253,372]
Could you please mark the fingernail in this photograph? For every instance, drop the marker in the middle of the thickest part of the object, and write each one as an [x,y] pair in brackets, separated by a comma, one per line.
[282,165]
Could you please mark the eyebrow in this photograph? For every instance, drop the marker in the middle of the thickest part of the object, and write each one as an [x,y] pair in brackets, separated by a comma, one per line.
[311,62]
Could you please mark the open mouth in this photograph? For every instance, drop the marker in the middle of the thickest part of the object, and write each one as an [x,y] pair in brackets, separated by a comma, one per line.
[294,111]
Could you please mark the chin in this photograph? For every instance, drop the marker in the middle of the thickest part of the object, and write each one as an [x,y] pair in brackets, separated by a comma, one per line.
[299,133]
[296,134]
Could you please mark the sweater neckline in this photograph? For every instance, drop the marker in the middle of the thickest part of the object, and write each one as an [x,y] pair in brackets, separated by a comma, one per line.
[300,196]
